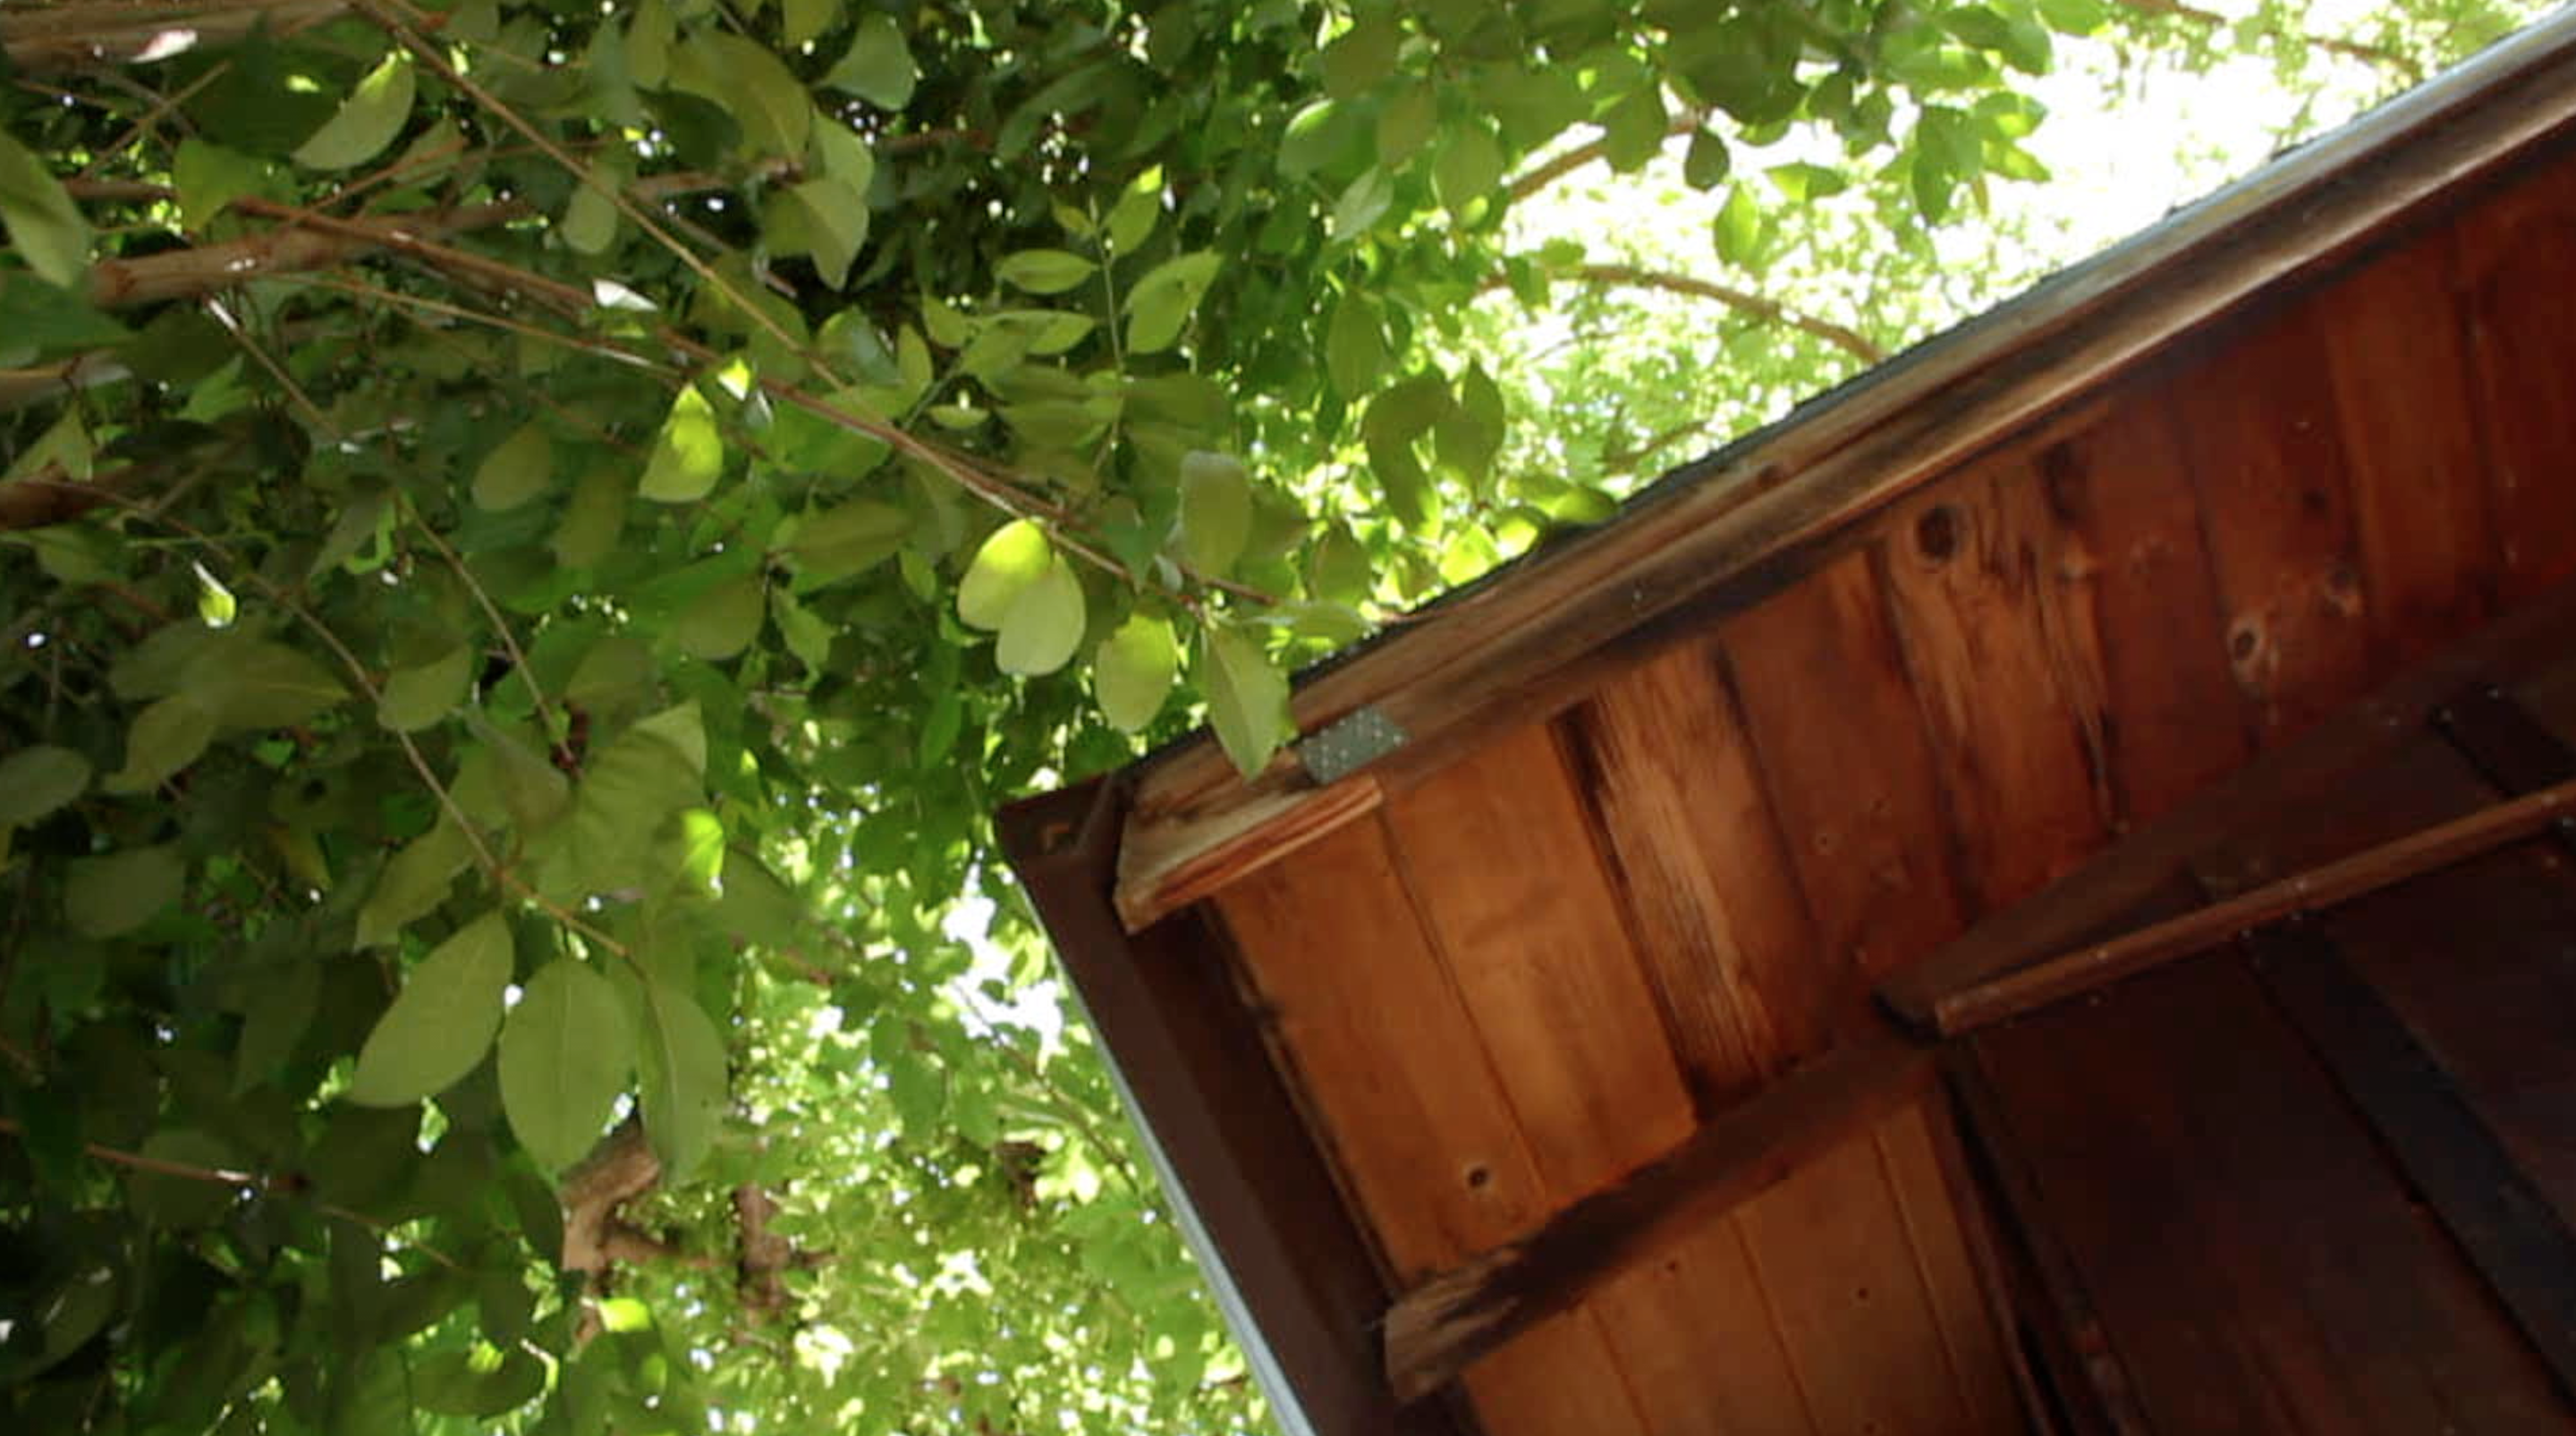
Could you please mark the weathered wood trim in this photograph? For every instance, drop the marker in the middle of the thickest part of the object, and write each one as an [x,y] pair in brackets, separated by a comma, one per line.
[2507,1227]
[2069,974]
[1445,1324]
[2132,872]
[1508,646]
[1295,1275]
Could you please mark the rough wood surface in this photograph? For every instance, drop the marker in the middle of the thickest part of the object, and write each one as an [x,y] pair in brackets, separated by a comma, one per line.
[1525,647]
[1442,1325]
[2518,280]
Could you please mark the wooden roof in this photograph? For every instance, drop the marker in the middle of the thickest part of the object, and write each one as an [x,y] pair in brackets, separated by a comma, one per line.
[1539,1052]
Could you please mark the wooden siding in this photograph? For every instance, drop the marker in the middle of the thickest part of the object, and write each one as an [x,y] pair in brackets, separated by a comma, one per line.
[1537,967]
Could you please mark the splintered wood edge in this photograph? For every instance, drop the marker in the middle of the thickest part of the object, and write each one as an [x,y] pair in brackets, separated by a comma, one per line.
[1198,826]
[1165,864]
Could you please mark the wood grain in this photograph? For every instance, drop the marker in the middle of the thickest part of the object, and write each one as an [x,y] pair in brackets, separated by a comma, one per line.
[1849,770]
[1668,772]
[2517,274]
[2262,438]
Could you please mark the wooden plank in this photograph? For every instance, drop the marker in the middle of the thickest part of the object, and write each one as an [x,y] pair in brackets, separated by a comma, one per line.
[1732,1374]
[1288,1261]
[1501,864]
[1974,576]
[2089,1387]
[2261,435]
[2258,1265]
[2513,749]
[2397,359]
[2282,780]
[2507,1226]
[1423,1132]
[1522,650]
[1849,770]
[1945,1228]
[1444,1324]
[1849,1301]
[2069,974]
[1663,761]
[2134,561]
[2518,283]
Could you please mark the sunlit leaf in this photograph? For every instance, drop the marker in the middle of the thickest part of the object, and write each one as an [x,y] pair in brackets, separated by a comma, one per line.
[1009,561]
[1044,624]
[688,455]
[44,226]
[367,121]
[1134,671]
[442,1021]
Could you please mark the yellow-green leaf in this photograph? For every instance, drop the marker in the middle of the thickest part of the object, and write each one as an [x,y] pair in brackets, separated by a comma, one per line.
[418,696]
[684,1079]
[878,67]
[44,226]
[1133,672]
[722,621]
[366,122]
[1044,271]
[1247,699]
[1045,622]
[1006,565]
[1216,511]
[688,456]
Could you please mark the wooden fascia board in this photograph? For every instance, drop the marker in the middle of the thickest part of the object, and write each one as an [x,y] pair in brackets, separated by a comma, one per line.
[1509,647]
[1293,1273]
[1449,1321]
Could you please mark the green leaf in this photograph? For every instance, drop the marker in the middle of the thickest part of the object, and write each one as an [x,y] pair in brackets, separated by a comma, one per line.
[1045,622]
[366,122]
[413,883]
[722,621]
[420,695]
[1044,271]
[566,1052]
[688,455]
[1216,511]
[836,225]
[752,85]
[1709,161]
[1163,300]
[1738,228]
[1354,347]
[442,1021]
[847,540]
[628,791]
[1247,699]
[1134,671]
[113,895]
[806,20]
[261,684]
[1139,209]
[177,1203]
[37,781]
[1363,203]
[1009,561]
[589,220]
[44,226]
[1633,130]
[1361,57]
[1469,170]
[208,177]
[878,66]
[683,1064]
[516,470]
[1406,123]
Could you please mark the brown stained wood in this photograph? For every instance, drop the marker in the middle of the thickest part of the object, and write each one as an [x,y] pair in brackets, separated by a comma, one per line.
[2517,258]
[1732,1375]
[1334,951]
[2136,593]
[1249,837]
[2087,1386]
[2400,374]
[1228,1135]
[1662,758]
[2507,1227]
[2302,773]
[1946,1230]
[1516,651]
[2009,689]
[1444,1324]
[2070,974]
[1422,1133]
[2258,1264]
[2262,437]
[1851,1306]
[1843,754]
[1501,865]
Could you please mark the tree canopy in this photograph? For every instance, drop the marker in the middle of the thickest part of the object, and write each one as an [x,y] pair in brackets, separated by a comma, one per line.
[533,535]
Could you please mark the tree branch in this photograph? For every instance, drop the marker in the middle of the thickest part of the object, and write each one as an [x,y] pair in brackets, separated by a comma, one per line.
[311,242]
[2368,54]
[1770,311]
[1576,158]
[42,38]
